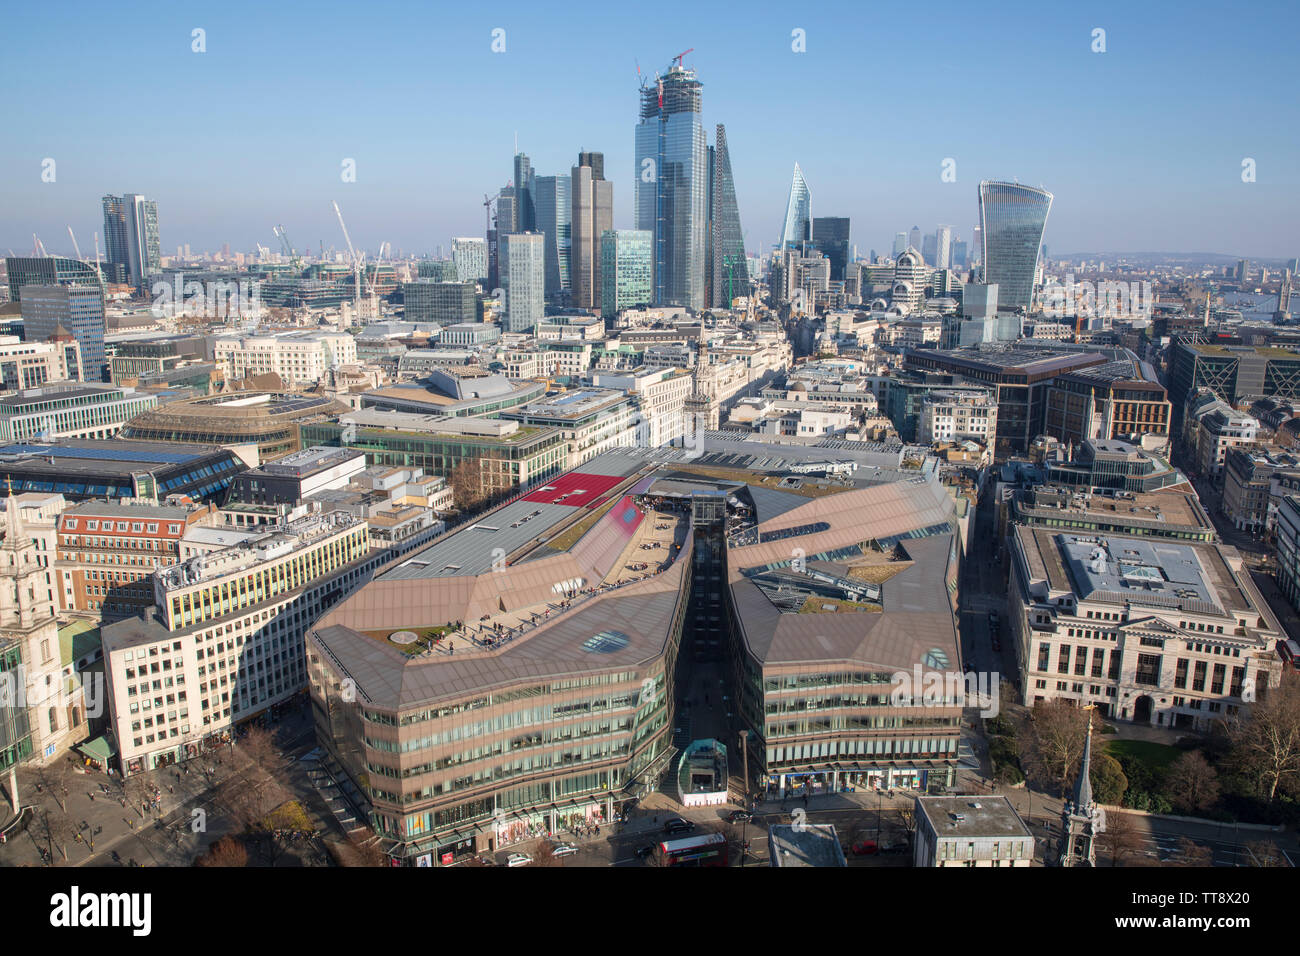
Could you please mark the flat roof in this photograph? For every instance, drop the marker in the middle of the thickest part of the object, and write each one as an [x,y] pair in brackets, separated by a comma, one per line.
[972,817]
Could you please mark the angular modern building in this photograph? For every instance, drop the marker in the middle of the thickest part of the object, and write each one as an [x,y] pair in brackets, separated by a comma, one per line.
[626,270]
[671,195]
[526,673]
[554,204]
[728,271]
[1012,220]
[798,212]
[50,270]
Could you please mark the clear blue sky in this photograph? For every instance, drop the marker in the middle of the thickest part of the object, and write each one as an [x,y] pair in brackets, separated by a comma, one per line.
[1142,145]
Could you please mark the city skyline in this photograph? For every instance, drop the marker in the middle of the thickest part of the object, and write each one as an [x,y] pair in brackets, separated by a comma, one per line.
[214,187]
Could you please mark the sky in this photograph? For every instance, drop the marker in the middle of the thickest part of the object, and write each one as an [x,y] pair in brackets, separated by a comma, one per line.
[1142,145]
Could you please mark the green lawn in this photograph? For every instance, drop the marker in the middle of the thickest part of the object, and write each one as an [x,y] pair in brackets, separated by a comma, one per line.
[1151,754]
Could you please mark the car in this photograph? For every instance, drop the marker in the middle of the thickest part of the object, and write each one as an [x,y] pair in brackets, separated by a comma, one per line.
[894,848]
[644,852]
[740,816]
[678,825]
[518,859]
[563,849]
[865,848]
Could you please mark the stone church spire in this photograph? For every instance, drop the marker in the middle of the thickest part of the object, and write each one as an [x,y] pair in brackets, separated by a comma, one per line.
[1081,819]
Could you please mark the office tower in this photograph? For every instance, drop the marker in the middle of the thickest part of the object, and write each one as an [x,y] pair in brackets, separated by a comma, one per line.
[728,273]
[439,270]
[900,243]
[914,238]
[671,196]
[553,203]
[593,213]
[831,239]
[523,279]
[798,212]
[959,254]
[1294,266]
[977,246]
[626,270]
[50,270]
[928,248]
[507,211]
[1013,218]
[78,309]
[595,162]
[469,255]
[1243,269]
[131,233]
[943,247]
[525,179]
[446,303]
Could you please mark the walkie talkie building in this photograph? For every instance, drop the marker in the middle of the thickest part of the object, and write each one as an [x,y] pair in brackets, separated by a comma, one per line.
[1012,220]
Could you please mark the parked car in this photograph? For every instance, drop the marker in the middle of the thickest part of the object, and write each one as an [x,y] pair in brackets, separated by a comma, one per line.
[740,816]
[563,849]
[644,852]
[678,825]
[865,848]
[518,859]
[894,848]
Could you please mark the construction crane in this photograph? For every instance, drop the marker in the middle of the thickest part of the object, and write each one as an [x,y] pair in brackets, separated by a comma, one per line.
[678,57]
[356,261]
[38,247]
[75,247]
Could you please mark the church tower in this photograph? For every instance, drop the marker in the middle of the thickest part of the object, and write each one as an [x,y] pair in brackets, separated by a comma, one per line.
[1081,819]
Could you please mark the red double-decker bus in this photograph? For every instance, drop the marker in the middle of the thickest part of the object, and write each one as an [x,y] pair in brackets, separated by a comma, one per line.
[707,850]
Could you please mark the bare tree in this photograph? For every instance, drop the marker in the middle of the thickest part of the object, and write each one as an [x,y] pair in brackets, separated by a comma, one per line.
[467,484]
[1120,840]
[1194,854]
[226,852]
[1265,740]
[544,855]
[1192,784]
[1052,741]
[1264,853]
[61,832]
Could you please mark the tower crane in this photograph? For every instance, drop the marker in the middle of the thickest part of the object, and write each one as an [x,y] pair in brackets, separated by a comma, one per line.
[356,261]
[75,247]
[678,57]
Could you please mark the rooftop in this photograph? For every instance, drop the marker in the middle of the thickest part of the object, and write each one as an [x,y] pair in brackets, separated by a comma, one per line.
[972,817]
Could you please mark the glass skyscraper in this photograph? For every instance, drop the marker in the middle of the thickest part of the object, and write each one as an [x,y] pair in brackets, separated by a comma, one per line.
[728,272]
[131,234]
[798,212]
[1012,220]
[830,235]
[555,221]
[523,278]
[79,309]
[626,266]
[672,181]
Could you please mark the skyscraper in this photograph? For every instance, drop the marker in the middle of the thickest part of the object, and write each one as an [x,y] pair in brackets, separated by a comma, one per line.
[593,213]
[943,247]
[626,266]
[50,270]
[728,272]
[831,239]
[525,178]
[914,238]
[470,257]
[929,245]
[523,279]
[1012,218]
[900,243]
[553,202]
[131,233]
[671,196]
[798,212]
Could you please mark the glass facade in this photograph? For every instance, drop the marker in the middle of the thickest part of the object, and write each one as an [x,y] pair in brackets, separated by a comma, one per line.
[798,212]
[671,196]
[79,309]
[554,221]
[626,266]
[728,271]
[1013,218]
